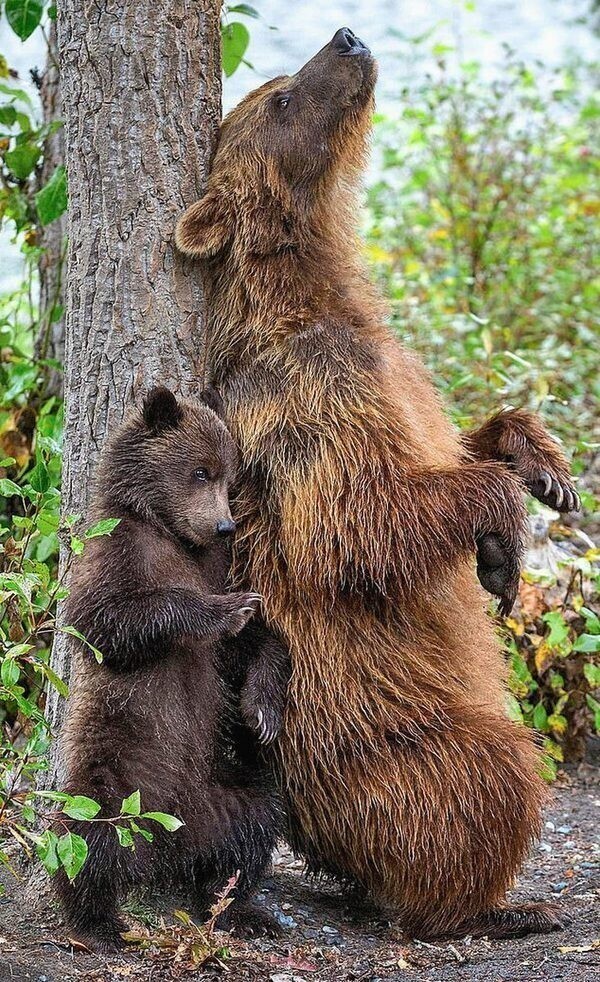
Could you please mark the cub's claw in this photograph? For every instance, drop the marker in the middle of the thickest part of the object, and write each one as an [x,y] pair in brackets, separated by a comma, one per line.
[244,607]
[266,726]
[266,721]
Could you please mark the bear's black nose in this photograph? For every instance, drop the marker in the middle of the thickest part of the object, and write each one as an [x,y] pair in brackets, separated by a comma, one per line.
[347,43]
[225,526]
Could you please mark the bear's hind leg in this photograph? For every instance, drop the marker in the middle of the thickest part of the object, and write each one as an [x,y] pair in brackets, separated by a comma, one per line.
[513,921]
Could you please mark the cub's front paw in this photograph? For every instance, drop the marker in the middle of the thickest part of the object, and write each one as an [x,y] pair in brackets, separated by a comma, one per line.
[242,607]
[498,571]
[554,490]
[261,716]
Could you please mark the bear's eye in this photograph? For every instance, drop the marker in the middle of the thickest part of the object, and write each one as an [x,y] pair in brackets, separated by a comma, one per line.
[201,474]
[283,101]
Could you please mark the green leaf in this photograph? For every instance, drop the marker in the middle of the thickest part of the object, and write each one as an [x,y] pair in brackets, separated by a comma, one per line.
[587,642]
[513,708]
[7,462]
[168,822]
[77,546]
[143,832]
[24,16]
[19,94]
[592,674]
[559,629]
[55,680]
[48,522]
[68,629]
[72,852]
[39,477]
[81,807]
[22,160]
[235,40]
[540,717]
[18,650]
[594,705]
[10,672]
[8,488]
[592,621]
[8,115]
[51,200]
[244,8]
[103,527]
[125,837]
[132,804]
[46,849]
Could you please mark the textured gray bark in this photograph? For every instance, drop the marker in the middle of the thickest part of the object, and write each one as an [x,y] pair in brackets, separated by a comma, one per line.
[50,342]
[141,91]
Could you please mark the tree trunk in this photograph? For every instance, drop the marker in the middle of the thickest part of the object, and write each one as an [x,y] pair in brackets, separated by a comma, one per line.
[141,94]
[50,342]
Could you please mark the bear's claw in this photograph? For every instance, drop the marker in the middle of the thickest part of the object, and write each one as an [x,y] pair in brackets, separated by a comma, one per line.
[557,493]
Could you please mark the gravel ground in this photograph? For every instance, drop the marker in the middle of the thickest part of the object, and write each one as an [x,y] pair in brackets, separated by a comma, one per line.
[327,940]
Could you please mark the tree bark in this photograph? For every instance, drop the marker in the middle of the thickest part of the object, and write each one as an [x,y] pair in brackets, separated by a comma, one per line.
[50,342]
[141,91]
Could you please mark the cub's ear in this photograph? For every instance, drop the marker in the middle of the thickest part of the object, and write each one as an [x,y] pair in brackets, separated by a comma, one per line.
[211,398]
[206,227]
[161,410]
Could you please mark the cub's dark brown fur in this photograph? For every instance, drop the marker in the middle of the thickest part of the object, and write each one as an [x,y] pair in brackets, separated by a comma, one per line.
[360,513]
[153,715]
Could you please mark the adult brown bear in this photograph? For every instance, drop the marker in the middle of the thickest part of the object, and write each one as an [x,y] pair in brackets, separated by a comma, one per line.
[360,512]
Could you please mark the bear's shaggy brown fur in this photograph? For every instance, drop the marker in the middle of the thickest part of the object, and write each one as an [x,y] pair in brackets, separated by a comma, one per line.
[360,511]
[152,716]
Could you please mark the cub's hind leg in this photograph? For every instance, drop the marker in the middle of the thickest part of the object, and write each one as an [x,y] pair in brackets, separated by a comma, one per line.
[91,902]
[240,830]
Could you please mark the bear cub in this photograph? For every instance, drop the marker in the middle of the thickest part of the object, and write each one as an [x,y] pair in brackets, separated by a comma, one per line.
[157,714]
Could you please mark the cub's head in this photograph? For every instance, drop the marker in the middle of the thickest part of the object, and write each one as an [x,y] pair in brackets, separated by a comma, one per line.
[175,461]
[286,148]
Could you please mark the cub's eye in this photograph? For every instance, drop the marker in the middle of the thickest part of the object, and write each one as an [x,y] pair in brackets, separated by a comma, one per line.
[283,101]
[201,474]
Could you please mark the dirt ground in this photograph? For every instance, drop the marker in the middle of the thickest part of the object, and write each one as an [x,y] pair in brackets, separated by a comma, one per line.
[327,940]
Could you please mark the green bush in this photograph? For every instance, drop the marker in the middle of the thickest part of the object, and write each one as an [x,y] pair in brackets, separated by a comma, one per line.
[484,230]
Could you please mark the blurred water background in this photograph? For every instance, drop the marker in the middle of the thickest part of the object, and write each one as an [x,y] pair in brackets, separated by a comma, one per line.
[287,34]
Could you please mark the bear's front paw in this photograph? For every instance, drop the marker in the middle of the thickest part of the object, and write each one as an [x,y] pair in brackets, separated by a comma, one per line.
[498,571]
[242,608]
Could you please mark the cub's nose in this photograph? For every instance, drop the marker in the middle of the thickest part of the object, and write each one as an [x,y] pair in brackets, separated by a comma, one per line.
[347,43]
[225,526]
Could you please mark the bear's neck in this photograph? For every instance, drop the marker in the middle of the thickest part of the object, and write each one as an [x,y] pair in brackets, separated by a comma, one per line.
[257,300]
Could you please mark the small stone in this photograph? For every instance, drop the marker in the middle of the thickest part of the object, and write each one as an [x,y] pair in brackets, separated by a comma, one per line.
[281,978]
[544,847]
[286,906]
[564,829]
[551,826]
[285,920]
[559,887]
[329,930]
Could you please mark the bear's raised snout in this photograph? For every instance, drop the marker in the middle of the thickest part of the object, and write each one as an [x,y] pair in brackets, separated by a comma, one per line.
[225,526]
[347,43]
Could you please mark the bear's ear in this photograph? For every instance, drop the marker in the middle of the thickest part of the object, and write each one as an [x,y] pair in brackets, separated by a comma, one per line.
[161,410]
[211,398]
[205,228]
